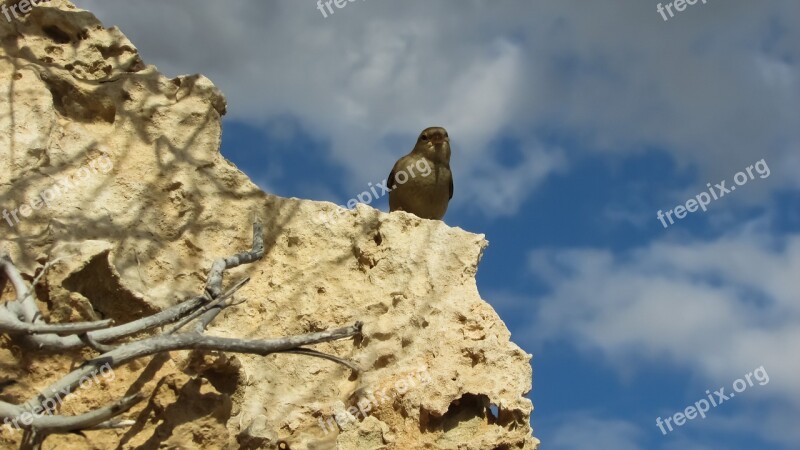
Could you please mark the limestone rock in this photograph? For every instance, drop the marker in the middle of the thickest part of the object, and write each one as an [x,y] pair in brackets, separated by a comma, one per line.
[112,164]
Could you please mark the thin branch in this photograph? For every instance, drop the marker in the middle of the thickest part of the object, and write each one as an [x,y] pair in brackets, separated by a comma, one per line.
[46,424]
[189,341]
[208,306]
[318,354]
[24,305]
[29,311]
[47,265]
[139,269]
[111,424]
[214,282]
[171,314]
[89,341]
[10,324]
[235,302]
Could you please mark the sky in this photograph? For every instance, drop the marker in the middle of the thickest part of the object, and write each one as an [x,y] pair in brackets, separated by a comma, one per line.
[572,125]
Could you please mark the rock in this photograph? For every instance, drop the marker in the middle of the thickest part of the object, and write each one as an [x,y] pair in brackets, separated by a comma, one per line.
[108,162]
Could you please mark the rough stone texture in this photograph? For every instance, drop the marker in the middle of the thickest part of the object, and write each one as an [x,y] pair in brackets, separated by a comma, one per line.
[152,202]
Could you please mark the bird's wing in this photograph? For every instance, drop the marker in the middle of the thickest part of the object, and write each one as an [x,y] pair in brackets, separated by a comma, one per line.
[390,182]
[451,185]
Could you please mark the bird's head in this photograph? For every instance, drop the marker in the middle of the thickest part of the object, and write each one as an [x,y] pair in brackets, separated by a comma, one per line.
[434,144]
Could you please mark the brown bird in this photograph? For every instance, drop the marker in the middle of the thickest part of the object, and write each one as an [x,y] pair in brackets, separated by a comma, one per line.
[421,182]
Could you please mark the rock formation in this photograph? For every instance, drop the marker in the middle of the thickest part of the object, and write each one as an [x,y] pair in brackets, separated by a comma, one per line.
[117,167]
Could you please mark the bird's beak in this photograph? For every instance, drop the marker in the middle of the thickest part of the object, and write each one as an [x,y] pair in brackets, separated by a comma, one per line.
[437,140]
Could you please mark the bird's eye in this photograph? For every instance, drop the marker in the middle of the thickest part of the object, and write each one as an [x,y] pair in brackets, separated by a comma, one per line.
[424,137]
[445,134]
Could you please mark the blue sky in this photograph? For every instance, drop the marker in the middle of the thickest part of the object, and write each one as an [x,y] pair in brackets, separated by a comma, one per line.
[572,123]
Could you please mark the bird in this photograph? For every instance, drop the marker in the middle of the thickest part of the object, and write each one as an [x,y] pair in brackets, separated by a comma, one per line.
[421,182]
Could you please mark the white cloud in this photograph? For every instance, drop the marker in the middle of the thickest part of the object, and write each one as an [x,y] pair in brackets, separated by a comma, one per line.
[719,309]
[717,87]
[722,307]
[585,430]
[582,432]
[500,190]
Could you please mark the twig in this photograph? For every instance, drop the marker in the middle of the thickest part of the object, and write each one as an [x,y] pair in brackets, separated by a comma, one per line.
[139,268]
[171,314]
[24,305]
[214,282]
[189,341]
[47,265]
[10,324]
[318,354]
[112,424]
[60,424]
[102,348]
[208,306]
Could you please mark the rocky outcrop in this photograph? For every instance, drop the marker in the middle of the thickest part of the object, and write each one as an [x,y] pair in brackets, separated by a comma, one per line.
[108,162]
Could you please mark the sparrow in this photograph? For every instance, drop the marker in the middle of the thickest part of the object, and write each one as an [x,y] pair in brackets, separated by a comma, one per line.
[421,182]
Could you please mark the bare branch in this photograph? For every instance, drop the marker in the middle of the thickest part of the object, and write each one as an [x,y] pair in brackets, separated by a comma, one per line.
[111,424]
[47,265]
[28,310]
[171,314]
[318,354]
[24,305]
[214,282]
[102,348]
[10,324]
[189,341]
[45,424]
[208,306]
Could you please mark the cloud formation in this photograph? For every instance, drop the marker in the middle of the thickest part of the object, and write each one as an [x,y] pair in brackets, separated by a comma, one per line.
[716,308]
[714,87]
